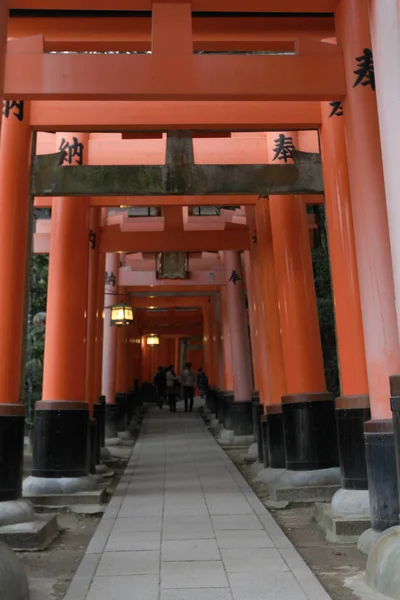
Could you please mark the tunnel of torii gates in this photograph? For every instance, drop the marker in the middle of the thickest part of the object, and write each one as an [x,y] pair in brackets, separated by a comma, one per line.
[176,126]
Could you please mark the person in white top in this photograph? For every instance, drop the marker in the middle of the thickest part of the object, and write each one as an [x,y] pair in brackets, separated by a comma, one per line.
[188,379]
[171,385]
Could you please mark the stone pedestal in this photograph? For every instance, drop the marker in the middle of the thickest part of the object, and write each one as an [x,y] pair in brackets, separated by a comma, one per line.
[20,527]
[60,452]
[274,437]
[348,515]
[310,434]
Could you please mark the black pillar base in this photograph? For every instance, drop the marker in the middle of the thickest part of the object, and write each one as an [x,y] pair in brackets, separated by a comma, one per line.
[257,411]
[310,435]
[121,400]
[241,418]
[93,451]
[12,424]
[275,438]
[211,399]
[382,476]
[226,403]
[112,412]
[99,413]
[61,437]
[264,442]
[351,414]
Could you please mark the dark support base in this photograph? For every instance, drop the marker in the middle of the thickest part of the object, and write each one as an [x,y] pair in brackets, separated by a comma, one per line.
[351,414]
[112,411]
[60,446]
[382,475]
[121,400]
[93,450]
[12,420]
[211,399]
[310,435]
[241,418]
[264,440]
[275,440]
[257,410]
[99,413]
[225,401]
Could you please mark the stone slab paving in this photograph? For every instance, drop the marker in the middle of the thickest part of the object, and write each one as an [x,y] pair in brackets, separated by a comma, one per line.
[183,524]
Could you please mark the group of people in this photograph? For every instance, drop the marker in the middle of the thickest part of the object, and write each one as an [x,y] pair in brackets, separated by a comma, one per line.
[170,387]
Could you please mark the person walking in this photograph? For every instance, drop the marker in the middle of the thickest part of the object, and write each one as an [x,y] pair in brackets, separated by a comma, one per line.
[160,383]
[202,382]
[171,388]
[188,378]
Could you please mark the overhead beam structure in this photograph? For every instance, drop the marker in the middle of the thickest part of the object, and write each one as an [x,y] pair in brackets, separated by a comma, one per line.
[211,77]
[59,115]
[233,6]
[115,240]
[127,33]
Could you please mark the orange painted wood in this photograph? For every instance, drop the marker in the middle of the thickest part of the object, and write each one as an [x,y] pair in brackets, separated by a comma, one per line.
[153,77]
[61,115]
[257,6]
[132,34]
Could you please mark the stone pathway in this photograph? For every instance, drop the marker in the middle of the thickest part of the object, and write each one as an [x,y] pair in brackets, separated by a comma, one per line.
[185,525]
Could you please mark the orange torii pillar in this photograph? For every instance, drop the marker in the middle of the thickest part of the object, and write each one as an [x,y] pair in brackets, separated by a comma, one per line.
[352,407]
[306,400]
[271,339]
[237,412]
[226,342]
[96,411]
[4,13]
[99,408]
[110,334]
[60,449]
[385,32]
[249,283]
[14,203]
[375,274]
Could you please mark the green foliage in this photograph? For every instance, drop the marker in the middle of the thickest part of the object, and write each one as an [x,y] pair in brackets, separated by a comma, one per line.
[323,288]
[36,330]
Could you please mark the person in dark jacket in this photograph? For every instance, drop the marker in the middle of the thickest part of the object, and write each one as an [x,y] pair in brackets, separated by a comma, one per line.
[202,382]
[160,383]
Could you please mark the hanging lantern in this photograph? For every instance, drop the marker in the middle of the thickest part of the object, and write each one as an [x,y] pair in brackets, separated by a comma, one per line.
[121,314]
[153,340]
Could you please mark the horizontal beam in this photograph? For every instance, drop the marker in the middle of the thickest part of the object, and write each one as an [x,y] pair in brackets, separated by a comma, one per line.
[258,6]
[59,115]
[115,240]
[167,302]
[51,179]
[145,278]
[128,33]
[208,77]
[128,201]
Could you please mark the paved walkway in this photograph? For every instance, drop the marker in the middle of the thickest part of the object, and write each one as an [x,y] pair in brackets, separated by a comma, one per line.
[184,525]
